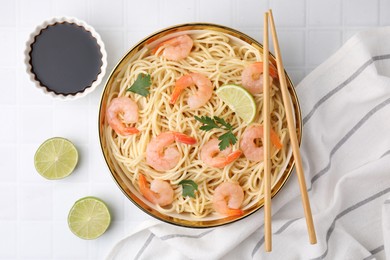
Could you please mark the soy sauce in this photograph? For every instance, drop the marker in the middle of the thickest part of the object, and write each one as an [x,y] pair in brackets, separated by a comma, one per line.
[65,58]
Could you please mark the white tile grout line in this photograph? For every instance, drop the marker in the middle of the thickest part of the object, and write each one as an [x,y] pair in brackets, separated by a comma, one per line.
[51,184]
[378,11]
[89,11]
[89,246]
[342,19]
[306,40]
[18,147]
[196,10]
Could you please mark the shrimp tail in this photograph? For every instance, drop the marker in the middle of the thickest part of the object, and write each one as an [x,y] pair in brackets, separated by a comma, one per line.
[185,139]
[130,131]
[143,184]
[144,189]
[125,131]
[234,212]
[233,156]
[155,49]
[272,70]
[222,162]
[180,85]
[162,44]
[275,139]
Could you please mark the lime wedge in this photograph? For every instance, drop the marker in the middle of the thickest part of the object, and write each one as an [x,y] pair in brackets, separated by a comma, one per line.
[89,218]
[56,158]
[239,100]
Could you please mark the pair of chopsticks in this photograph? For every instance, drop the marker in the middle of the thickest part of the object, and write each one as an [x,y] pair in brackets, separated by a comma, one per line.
[267,140]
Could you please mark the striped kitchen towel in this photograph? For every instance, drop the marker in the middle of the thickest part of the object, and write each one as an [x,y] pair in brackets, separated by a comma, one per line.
[345,149]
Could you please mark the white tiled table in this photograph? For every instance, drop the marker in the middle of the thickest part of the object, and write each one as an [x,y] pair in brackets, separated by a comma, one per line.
[33,211]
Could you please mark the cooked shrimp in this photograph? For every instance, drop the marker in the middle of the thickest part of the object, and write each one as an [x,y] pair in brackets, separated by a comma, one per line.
[252,77]
[252,151]
[161,157]
[177,48]
[205,89]
[128,109]
[227,199]
[212,156]
[160,192]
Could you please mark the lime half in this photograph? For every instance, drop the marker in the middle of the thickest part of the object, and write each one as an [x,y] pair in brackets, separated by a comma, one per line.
[89,218]
[239,100]
[56,158]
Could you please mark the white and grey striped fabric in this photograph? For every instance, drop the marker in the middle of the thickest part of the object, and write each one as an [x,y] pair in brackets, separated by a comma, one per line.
[345,106]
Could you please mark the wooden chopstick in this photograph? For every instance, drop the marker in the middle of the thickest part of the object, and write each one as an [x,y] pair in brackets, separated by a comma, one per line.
[267,140]
[293,134]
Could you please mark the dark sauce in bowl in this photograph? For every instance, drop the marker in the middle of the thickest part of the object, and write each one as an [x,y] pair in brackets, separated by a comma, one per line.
[65,58]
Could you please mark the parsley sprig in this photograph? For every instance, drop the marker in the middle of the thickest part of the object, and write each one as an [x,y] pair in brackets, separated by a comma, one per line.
[141,85]
[209,123]
[189,188]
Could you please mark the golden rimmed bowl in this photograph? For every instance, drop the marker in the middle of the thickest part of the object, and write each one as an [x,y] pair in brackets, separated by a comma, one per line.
[120,177]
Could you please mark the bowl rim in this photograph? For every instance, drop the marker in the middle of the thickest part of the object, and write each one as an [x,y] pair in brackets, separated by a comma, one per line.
[199,224]
[27,57]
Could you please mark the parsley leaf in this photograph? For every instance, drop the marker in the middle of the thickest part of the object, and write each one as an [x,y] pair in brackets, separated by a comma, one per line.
[226,139]
[189,188]
[209,123]
[222,121]
[141,85]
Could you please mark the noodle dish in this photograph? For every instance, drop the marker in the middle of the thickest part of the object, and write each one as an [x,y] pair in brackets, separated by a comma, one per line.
[172,131]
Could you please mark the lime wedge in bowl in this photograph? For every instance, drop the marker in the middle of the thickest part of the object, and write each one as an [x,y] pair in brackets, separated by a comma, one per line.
[89,218]
[239,100]
[56,158]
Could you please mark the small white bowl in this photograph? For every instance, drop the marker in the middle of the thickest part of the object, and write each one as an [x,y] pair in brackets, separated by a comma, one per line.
[46,89]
